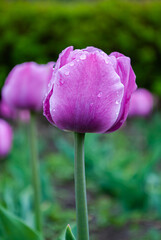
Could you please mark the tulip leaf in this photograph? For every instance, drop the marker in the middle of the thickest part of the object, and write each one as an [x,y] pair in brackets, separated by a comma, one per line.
[68,234]
[12,228]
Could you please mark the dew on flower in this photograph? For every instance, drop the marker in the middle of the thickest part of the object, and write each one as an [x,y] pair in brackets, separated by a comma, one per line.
[117,102]
[99,95]
[106,61]
[83,57]
[66,73]
[71,64]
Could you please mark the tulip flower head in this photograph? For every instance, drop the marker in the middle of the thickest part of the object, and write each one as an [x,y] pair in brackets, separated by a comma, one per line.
[141,103]
[5,138]
[26,85]
[90,91]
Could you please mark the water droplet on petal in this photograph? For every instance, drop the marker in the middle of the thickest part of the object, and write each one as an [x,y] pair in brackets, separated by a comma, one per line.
[99,95]
[117,113]
[66,73]
[83,57]
[71,64]
[106,61]
[117,102]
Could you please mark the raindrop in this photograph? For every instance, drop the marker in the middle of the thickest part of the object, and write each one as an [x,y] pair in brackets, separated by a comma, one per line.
[83,57]
[72,64]
[117,102]
[66,73]
[99,95]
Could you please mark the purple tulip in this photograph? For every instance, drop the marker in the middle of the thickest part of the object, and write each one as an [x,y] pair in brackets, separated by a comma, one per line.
[26,85]
[90,91]
[5,138]
[141,103]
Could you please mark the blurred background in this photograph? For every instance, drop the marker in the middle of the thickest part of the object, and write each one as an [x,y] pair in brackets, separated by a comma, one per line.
[123,169]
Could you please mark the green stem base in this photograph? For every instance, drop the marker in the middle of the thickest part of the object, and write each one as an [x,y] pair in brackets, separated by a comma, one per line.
[80,189]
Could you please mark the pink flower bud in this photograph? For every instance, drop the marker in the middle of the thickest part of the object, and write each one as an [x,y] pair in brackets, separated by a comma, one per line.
[5,138]
[141,103]
[90,91]
[26,85]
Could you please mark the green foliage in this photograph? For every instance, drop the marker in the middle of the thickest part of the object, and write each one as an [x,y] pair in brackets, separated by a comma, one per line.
[68,234]
[12,228]
[122,167]
[123,179]
[38,31]
[16,193]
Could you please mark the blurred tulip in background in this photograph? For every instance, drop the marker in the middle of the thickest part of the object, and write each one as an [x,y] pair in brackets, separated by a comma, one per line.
[5,138]
[26,85]
[141,103]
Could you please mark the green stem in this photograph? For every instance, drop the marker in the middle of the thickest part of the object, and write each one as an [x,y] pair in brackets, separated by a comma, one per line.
[35,174]
[80,189]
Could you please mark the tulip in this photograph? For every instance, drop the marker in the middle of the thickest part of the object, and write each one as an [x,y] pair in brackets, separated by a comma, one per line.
[26,85]
[89,92]
[141,103]
[5,138]
[24,89]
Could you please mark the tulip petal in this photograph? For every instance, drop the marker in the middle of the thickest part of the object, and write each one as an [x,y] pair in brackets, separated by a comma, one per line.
[46,107]
[87,95]
[62,60]
[128,77]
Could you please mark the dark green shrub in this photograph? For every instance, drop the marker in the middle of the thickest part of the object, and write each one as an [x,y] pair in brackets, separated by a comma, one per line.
[39,31]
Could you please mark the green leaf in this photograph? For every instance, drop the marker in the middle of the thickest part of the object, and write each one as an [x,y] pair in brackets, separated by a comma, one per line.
[68,234]
[12,228]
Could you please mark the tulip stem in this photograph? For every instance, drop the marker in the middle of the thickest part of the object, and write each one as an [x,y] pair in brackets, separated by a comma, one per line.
[80,189]
[35,174]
